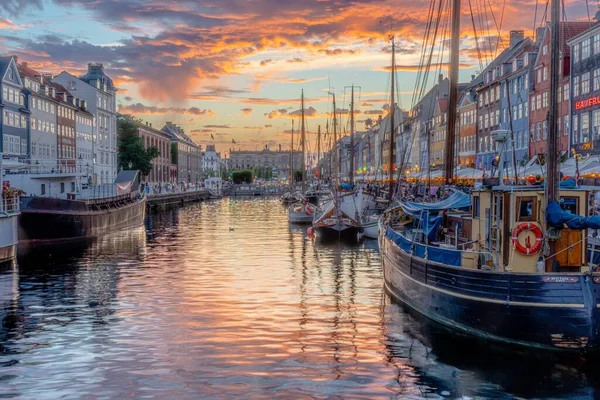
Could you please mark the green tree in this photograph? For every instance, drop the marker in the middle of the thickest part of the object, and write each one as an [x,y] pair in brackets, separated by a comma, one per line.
[242,176]
[132,154]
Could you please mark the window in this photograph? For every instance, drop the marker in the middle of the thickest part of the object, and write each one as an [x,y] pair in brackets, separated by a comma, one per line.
[497,93]
[476,206]
[596,125]
[545,99]
[538,131]
[585,83]
[532,103]
[566,91]
[520,110]
[11,144]
[545,130]
[585,49]
[576,53]
[525,109]
[43,189]
[596,80]
[532,133]
[566,123]
[585,127]
[569,204]
[527,207]
[538,100]
[545,70]
[62,187]
[545,49]
[72,187]
[597,44]
[538,76]
[575,86]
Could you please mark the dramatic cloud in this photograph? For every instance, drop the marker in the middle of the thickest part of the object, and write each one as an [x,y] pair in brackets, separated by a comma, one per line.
[246,111]
[374,112]
[139,108]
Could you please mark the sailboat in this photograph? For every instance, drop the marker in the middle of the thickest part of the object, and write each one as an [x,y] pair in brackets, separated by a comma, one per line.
[339,217]
[512,266]
[302,212]
[292,195]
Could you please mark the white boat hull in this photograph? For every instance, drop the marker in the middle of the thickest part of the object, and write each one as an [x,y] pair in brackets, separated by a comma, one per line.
[9,236]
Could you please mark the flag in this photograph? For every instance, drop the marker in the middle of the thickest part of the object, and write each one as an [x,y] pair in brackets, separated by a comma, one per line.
[212,137]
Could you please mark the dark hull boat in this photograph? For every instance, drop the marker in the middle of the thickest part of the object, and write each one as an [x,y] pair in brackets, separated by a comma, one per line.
[550,310]
[46,220]
[499,291]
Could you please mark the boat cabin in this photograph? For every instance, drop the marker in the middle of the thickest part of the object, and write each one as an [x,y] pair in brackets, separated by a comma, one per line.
[508,224]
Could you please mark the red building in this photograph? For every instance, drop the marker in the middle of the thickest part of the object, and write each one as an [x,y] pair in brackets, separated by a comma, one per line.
[539,94]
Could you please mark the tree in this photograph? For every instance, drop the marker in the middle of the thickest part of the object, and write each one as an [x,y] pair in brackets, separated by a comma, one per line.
[242,177]
[132,154]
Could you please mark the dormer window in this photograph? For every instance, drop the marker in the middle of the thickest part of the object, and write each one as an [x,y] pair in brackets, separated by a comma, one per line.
[11,74]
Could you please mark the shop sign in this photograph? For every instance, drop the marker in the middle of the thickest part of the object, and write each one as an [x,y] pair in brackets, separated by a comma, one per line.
[592,101]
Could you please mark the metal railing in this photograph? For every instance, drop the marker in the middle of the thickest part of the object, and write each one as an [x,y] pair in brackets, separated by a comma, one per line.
[10,205]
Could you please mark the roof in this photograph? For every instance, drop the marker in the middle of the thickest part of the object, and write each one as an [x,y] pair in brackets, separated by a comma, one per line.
[4,63]
[96,73]
[59,89]
[177,133]
[570,29]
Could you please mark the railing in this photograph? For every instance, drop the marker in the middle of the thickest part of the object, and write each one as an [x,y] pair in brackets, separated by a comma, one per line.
[30,167]
[10,205]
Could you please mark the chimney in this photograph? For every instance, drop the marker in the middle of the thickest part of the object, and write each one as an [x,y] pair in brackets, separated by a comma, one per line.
[150,124]
[64,97]
[70,98]
[53,91]
[77,103]
[539,33]
[146,123]
[516,37]
[440,78]
[24,64]
[83,105]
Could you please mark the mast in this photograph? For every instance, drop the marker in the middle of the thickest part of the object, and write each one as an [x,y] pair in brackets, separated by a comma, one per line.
[336,161]
[453,95]
[393,109]
[292,157]
[552,158]
[352,138]
[303,149]
[319,149]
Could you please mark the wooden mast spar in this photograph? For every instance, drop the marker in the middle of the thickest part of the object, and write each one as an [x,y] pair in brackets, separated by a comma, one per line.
[453,95]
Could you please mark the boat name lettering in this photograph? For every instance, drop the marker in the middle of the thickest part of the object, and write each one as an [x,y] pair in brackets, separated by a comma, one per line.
[560,279]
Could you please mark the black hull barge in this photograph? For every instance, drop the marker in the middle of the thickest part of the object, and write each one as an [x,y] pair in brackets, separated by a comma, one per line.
[49,220]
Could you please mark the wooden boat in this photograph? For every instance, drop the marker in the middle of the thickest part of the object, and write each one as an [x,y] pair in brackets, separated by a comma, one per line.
[339,218]
[301,212]
[492,288]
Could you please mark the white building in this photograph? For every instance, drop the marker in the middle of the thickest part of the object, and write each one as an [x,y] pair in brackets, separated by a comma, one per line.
[99,92]
[85,128]
[211,161]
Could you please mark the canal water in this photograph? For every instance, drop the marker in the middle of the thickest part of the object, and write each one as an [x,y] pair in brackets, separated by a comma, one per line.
[225,299]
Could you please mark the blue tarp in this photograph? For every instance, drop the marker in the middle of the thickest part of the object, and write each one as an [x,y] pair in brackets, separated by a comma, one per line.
[437,254]
[430,224]
[347,186]
[569,183]
[557,218]
[456,200]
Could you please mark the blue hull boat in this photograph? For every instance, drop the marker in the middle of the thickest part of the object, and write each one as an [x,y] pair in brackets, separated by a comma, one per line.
[552,311]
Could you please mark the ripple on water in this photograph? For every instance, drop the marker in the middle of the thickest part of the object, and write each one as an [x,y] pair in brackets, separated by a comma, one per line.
[224,299]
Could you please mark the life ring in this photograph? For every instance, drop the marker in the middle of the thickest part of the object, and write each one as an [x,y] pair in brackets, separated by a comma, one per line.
[528,249]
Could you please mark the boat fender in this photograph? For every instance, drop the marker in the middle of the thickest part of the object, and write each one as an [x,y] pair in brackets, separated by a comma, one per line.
[528,249]
[310,232]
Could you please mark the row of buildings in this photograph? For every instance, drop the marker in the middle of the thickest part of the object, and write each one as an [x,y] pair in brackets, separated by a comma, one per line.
[66,125]
[511,93]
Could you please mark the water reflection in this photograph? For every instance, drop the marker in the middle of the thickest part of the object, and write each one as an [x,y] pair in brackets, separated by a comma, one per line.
[225,299]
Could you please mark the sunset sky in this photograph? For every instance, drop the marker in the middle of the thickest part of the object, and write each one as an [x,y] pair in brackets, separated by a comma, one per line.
[235,68]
